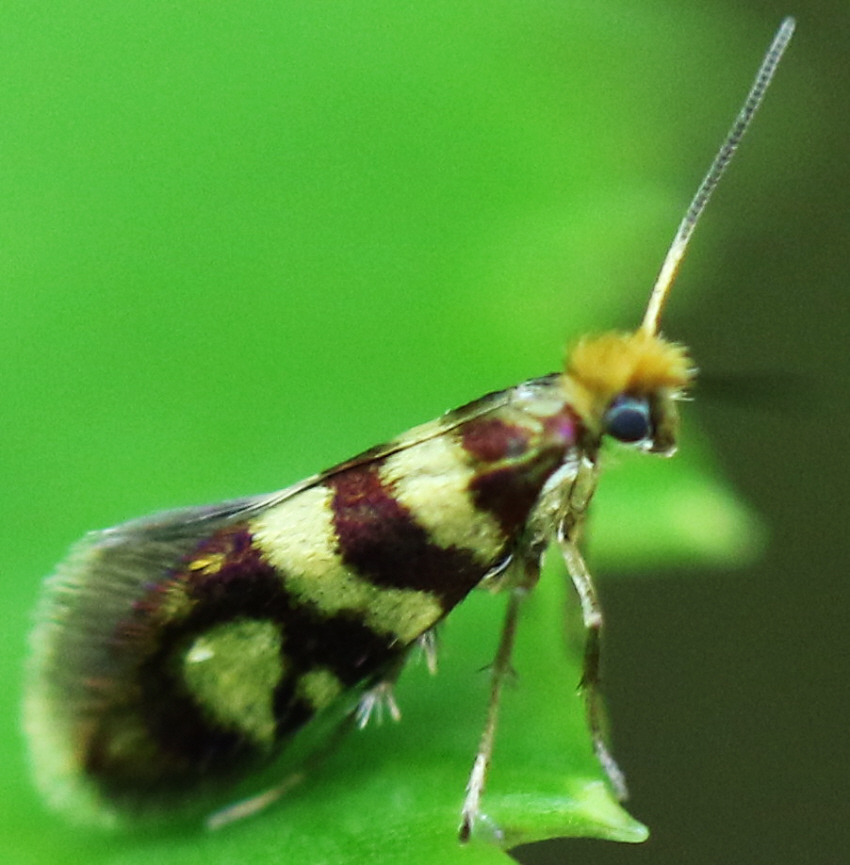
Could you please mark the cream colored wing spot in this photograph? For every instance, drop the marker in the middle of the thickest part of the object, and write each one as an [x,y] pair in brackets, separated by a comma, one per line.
[232,670]
[432,481]
[320,687]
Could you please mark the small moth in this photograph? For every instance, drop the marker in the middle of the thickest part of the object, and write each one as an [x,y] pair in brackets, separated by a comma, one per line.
[179,655]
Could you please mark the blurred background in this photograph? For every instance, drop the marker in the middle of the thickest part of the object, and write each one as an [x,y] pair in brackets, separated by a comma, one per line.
[241,242]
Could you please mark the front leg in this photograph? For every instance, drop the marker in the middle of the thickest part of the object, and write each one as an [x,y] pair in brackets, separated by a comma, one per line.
[590,678]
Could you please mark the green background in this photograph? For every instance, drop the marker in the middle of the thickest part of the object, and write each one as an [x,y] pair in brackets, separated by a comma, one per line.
[242,241]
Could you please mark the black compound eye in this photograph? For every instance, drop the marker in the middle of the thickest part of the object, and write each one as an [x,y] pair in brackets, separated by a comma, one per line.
[628,419]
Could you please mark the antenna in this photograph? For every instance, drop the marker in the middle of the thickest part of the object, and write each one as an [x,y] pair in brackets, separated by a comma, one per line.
[676,253]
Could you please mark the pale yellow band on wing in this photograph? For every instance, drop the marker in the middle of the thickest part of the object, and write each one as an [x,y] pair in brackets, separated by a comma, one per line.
[298,538]
[431,479]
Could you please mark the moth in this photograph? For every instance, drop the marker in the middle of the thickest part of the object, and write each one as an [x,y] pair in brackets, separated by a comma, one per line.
[177,655]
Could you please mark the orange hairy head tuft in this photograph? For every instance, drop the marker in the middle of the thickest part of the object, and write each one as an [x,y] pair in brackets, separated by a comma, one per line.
[602,367]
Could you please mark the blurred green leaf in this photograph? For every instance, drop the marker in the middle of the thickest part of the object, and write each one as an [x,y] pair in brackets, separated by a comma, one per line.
[655,512]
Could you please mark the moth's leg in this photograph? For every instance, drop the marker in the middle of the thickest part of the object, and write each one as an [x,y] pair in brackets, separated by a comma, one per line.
[380,697]
[500,670]
[254,804]
[428,647]
[590,678]
[377,700]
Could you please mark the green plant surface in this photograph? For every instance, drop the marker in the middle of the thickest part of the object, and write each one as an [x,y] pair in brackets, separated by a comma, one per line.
[246,241]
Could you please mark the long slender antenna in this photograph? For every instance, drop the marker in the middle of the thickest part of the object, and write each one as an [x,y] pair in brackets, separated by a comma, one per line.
[676,253]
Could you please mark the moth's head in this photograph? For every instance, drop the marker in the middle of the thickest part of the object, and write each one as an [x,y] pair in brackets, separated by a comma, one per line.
[626,385]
